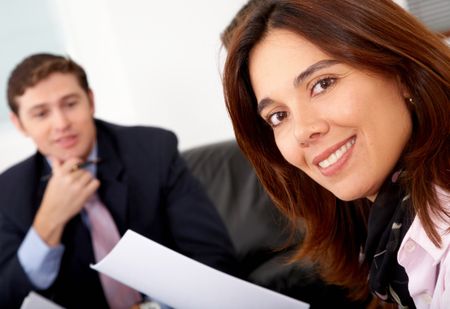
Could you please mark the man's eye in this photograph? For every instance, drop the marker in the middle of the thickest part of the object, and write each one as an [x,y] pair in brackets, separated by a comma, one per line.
[40,114]
[276,118]
[71,103]
[322,85]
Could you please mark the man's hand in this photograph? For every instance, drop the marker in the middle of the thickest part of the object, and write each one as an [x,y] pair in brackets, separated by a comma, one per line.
[67,191]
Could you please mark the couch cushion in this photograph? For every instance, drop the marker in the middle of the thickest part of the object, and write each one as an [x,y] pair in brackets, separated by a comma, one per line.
[255,225]
[257,228]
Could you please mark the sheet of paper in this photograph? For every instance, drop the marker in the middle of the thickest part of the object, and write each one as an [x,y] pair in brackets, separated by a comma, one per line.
[181,282]
[36,301]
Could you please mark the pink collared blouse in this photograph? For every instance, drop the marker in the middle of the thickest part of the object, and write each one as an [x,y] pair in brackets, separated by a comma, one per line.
[427,266]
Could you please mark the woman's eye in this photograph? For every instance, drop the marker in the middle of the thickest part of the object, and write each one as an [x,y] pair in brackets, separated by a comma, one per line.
[322,85]
[276,118]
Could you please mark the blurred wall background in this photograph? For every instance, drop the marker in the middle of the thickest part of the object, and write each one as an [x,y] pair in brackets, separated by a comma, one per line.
[149,62]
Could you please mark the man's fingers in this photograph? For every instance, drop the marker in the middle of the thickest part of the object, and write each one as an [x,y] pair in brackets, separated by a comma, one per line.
[83,177]
[93,186]
[71,165]
[89,189]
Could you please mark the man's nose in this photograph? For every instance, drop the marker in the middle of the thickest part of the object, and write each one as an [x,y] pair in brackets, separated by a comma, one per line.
[60,120]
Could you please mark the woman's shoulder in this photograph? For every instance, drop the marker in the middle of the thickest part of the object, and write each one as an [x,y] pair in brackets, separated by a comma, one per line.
[441,222]
[443,197]
[421,258]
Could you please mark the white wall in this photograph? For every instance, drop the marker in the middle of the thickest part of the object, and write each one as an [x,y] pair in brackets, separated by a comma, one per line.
[149,62]
[402,3]
[154,62]
[26,26]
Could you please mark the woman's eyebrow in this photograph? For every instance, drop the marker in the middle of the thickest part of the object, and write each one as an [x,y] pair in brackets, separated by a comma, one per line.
[312,69]
[263,104]
[322,64]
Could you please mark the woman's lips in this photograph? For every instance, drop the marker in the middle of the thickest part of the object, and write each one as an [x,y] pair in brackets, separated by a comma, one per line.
[330,161]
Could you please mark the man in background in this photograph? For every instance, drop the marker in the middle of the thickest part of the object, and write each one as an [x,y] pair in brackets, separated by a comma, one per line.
[134,177]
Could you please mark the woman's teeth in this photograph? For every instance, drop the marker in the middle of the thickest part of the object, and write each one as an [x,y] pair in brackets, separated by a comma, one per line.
[337,154]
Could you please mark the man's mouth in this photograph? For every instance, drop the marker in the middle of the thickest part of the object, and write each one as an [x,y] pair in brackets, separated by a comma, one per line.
[66,141]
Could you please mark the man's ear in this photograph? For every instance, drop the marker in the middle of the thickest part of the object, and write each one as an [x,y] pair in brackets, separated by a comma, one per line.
[17,123]
[91,101]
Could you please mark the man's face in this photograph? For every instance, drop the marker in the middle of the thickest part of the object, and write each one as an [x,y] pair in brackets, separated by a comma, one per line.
[57,114]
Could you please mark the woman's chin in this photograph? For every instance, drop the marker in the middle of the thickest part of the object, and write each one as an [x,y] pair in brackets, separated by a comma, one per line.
[347,196]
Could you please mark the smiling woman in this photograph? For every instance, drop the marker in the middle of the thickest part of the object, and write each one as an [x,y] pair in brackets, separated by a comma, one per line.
[329,119]
[338,105]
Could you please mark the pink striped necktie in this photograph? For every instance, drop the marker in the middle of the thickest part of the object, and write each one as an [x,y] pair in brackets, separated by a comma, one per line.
[105,235]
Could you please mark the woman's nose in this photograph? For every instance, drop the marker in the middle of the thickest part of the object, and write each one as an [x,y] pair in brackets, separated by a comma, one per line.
[309,128]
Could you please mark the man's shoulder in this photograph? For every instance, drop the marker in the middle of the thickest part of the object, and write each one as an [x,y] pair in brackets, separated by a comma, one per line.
[18,185]
[140,130]
[19,171]
[138,134]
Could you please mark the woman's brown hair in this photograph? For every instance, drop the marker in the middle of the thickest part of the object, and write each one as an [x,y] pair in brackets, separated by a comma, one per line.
[376,35]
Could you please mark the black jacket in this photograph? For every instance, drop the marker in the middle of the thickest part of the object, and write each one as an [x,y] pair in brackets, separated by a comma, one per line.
[146,187]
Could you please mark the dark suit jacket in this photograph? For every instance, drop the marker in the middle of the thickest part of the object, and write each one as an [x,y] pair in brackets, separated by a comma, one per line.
[146,187]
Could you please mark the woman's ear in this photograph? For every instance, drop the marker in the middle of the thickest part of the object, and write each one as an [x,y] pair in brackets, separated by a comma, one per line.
[403,88]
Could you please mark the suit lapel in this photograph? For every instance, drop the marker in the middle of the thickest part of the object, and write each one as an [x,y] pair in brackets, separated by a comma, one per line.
[113,190]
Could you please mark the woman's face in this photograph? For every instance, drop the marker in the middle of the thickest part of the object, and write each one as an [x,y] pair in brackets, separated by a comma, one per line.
[344,127]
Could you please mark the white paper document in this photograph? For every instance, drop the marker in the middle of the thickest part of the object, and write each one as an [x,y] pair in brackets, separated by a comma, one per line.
[181,282]
[36,301]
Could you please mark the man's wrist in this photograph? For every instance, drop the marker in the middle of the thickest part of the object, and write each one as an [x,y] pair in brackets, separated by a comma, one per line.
[39,261]
[48,230]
